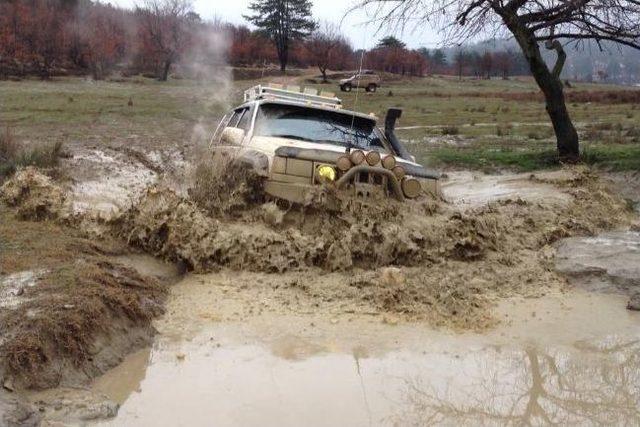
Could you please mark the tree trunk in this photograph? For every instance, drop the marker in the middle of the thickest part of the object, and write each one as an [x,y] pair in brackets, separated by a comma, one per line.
[323,71]
[282,57]
[165,71]
[566,134]
[551,86]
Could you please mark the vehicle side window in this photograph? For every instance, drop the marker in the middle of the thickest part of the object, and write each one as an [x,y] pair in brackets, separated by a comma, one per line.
[223,124]
[245,121]
[235,118]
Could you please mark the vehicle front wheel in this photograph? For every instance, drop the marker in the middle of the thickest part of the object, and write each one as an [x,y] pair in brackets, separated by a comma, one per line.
[372,88]
[346,87]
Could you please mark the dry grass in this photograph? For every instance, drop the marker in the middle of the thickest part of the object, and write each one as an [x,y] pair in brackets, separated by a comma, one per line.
[14,155]
[608,97]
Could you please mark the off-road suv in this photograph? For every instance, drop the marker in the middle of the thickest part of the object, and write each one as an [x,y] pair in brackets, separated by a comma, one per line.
[300,140]
[366,79]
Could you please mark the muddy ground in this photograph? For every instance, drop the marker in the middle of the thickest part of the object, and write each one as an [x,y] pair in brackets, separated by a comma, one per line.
[72,307]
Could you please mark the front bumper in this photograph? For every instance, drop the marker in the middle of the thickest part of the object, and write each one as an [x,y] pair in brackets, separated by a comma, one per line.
[294,177]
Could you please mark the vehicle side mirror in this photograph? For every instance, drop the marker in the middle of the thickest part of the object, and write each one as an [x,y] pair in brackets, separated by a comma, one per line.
[232,136]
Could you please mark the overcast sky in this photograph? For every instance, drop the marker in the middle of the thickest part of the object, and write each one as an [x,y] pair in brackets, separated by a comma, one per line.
[332,10]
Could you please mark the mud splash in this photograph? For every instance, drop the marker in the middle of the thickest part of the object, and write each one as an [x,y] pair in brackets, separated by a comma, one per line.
[455,257]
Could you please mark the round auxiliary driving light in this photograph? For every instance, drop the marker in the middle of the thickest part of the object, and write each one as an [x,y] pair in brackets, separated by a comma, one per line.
[389,162]
[357,157]
[327,173]
[373,158]
[399,172]
[411,188]
[344,163]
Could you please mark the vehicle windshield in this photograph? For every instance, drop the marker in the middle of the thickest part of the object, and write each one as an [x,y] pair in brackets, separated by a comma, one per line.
[314,125]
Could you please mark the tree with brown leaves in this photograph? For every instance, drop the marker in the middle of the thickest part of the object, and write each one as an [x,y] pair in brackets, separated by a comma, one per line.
[164,28]
[324,46]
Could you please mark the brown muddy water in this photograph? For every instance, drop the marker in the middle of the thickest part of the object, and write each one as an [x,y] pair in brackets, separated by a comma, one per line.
[569,358]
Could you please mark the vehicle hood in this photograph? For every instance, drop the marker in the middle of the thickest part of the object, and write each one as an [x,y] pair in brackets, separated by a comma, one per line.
[268,145]
[346,80]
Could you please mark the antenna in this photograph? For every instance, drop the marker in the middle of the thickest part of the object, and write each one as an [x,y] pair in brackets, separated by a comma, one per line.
[355,103]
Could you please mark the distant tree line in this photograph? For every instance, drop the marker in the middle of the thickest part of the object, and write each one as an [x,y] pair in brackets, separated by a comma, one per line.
[48,37]
[44,37]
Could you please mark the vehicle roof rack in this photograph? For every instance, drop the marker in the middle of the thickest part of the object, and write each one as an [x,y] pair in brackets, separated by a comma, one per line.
[308,96]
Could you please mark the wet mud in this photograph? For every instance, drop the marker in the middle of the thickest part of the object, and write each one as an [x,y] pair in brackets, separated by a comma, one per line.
[354,289]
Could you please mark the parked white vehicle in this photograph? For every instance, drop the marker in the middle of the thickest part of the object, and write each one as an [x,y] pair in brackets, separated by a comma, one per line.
[366,79]
[300,139]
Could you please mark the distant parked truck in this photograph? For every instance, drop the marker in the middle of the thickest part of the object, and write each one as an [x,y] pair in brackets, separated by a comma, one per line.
[367,79]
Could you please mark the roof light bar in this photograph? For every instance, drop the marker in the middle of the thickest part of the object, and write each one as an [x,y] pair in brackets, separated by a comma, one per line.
[293,93]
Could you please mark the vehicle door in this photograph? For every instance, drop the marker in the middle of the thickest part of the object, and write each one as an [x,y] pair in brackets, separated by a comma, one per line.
[233,132]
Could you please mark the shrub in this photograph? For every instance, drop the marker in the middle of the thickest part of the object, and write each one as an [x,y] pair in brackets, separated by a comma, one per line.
[9,150]
[504,130]
[450,130]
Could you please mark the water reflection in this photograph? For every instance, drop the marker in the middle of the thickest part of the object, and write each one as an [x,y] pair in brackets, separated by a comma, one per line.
[598,384]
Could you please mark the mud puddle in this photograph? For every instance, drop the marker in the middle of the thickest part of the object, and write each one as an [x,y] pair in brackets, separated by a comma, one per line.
[108,181]
[354,370]
[607,262]
[475,189]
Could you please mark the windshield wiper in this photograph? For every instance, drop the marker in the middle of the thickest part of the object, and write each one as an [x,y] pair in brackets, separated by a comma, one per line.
[300,138]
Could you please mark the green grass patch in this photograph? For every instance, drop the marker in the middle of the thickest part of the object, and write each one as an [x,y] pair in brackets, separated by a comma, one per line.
[491,160]
[613,157]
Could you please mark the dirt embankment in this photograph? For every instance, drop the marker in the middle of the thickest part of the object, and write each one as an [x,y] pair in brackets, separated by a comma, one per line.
[68,311]
[453,260]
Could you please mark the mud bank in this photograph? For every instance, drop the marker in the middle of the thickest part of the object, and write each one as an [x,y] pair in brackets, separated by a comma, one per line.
[68,309]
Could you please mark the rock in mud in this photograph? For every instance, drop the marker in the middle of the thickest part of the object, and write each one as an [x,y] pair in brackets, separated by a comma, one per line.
[34,194]
[634,302]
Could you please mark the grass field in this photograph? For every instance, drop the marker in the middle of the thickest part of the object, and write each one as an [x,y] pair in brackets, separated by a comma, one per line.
[446,123]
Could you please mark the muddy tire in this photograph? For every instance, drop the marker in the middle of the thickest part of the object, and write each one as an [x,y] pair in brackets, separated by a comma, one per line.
[372,88]
[346,87]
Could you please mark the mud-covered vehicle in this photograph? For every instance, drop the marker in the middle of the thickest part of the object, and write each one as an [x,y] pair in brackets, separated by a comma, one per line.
[366,79]
[300,140]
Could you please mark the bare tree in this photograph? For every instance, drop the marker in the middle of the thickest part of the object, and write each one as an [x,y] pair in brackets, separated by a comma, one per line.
[554,23]
[165,28]
[323,45]
[461,61]
[504,62]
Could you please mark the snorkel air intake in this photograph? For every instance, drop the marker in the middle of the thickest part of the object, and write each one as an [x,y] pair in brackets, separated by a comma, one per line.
[393,114]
